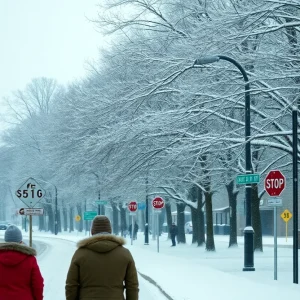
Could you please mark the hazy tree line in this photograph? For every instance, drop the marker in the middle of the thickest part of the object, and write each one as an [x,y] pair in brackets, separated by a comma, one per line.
[147,121]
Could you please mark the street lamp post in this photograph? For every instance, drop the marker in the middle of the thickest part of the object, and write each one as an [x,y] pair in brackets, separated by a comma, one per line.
[56,213]
[147,215]
[248,231]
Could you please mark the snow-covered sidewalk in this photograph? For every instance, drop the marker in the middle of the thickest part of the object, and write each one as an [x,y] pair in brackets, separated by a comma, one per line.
[187,272]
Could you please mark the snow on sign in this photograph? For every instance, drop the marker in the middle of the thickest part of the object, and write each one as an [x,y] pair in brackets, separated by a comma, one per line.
[30,192]
[158,203]
[274,183]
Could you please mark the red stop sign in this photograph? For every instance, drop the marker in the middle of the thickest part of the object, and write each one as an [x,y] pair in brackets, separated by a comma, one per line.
[274,183]
[158,203]
[132,206]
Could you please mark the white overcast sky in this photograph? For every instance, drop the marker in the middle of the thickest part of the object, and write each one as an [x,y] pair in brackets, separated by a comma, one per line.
[50,38]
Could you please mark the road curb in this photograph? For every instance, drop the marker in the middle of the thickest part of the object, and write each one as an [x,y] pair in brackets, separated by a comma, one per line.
[149,279]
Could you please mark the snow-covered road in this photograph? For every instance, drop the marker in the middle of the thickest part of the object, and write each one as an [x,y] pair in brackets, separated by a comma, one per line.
[54,260]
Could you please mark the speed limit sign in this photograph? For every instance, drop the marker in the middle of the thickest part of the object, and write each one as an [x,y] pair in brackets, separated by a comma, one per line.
[30,192]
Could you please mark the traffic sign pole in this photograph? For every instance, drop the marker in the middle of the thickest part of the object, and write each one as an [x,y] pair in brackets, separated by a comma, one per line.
[295,193]
[30,231]
[275,202]
[157,222]
[275,242]
[132,206]
[157,203]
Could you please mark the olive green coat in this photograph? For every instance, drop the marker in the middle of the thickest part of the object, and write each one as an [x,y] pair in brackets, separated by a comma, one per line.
[101,268]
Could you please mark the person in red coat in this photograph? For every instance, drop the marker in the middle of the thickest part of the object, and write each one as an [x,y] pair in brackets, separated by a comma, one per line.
[20,276]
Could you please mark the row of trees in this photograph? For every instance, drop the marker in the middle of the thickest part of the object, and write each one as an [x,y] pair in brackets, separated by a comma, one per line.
[147,121]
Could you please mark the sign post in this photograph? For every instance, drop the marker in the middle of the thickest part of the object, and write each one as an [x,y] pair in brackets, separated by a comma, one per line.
[30,193]
[132,206]
[275,202]
[274,185]
[158,203]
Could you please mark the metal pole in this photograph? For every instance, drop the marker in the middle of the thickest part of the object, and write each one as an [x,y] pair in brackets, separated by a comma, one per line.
[147,216]
[30,230]
[99,209]
[132,228]
[56,213]
[275,243]
[86,222]
[157,230]
[248,231]
[295,195]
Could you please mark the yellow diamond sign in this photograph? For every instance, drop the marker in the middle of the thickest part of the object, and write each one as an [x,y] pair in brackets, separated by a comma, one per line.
[286,215]
[77,218]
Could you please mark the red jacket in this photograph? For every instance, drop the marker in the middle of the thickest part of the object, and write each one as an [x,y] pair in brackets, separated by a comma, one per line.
[20,276]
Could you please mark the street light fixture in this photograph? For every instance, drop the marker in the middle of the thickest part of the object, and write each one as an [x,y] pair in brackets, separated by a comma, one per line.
[248,231]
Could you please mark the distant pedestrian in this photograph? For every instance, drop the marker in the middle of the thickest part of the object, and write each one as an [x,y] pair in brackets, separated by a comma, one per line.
[135,230]
[173,234]
[20,276]
[101,268]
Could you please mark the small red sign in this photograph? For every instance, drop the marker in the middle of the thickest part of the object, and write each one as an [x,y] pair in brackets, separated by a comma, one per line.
[132,206]
[274,183]
[158,203]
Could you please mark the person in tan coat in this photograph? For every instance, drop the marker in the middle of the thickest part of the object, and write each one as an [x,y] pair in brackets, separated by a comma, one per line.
[101,268]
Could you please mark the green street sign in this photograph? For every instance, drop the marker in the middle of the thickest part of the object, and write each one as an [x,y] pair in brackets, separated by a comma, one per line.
[89,215]
[247,178]
[101,202]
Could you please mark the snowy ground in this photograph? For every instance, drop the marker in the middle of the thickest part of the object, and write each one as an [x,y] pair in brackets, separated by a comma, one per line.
[184,272]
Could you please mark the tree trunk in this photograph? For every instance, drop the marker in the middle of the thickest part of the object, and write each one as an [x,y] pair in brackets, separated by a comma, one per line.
[71,219]
[48,208]
[123,220]
[197,216]
[210,243]
[41,223]
[232,195]
[102,210]
[65,213]
[194,222]
[161,219]
[58,220]
[200,221]
[79,211]
[181,223]
[115,218]
[256,221]
[169,216]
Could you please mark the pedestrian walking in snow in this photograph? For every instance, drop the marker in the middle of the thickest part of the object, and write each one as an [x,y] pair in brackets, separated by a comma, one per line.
[101,268]
[173,234]
[135,230]
[20,276]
